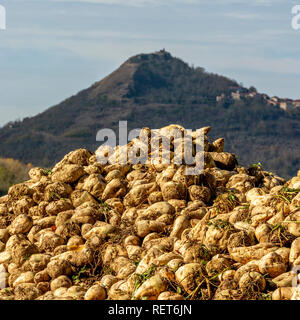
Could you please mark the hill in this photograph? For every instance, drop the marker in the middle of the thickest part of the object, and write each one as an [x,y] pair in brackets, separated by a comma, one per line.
[154,90]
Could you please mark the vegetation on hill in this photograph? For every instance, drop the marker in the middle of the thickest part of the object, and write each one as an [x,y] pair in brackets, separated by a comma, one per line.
[155,90]
[12,172]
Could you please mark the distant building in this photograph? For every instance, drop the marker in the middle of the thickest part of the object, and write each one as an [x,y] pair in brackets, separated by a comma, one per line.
[220,98]
[236,95]
[251,94]
[296,103]
[286,104]
[275,99]
[272,102]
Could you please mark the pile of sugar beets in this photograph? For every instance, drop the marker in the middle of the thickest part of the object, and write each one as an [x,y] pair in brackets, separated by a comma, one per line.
[86,231]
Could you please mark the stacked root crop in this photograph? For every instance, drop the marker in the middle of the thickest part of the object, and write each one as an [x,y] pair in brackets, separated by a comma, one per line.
[88,231]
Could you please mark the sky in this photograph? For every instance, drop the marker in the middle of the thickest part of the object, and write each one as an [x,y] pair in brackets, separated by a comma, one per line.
[51,49]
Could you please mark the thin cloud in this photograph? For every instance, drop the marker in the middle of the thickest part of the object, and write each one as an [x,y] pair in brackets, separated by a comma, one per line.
[134,3]
[143,3]
[243,15]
